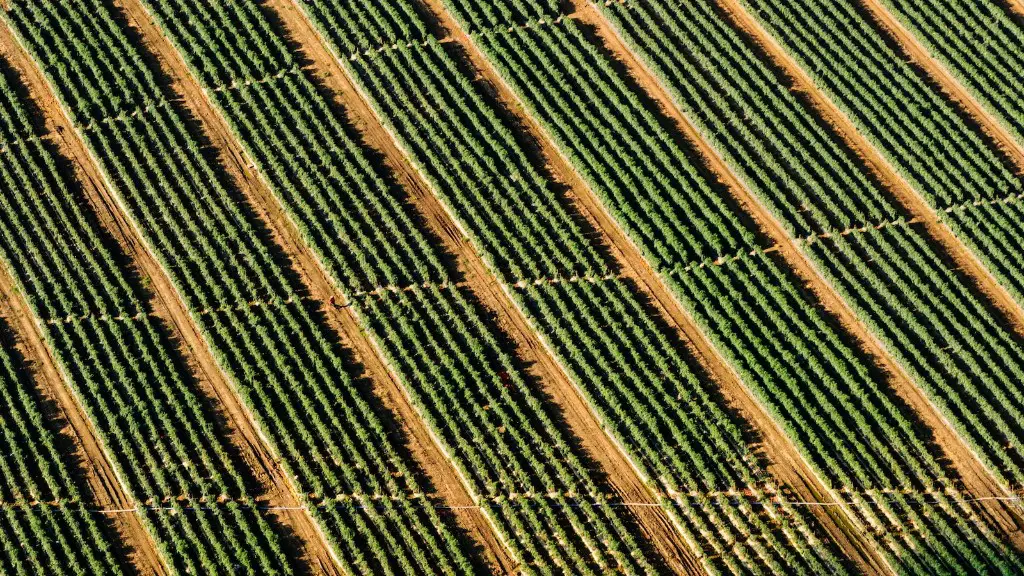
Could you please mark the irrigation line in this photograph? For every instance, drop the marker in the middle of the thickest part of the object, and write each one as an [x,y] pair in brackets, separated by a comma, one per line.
[514,504]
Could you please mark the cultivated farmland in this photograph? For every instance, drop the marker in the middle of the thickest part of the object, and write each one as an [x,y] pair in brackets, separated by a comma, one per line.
[511,286]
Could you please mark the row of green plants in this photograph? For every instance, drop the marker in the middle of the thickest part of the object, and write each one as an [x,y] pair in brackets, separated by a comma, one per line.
[546,64]
[930,319]
[449,354]
[650,394]
[977,41]
[45,526]
[157,430]
[969,326]
[331,435]
[912,124]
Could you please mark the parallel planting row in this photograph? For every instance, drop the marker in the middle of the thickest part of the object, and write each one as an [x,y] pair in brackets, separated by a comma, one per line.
[853,430]
[661,407]
[948,163]
[287,367]
[157,431]
[913,125]
[46,526]
[445,348]
[934,323]
[979,43]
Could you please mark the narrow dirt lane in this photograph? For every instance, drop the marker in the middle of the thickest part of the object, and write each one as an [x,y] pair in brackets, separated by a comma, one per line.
[531,349]
[107,489]
[950,86]
[166,305]
[104,487]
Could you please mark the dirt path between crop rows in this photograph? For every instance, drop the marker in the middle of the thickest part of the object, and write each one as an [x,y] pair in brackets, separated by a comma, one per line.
[426,452]
[107,489]
[951,87]
[531,350]
[975,477]
[166,305]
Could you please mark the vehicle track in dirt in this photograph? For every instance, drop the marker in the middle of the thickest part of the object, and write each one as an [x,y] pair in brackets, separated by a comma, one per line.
[105,486]
[976,478]
[950,86]
[427,454]
[786,461]
[530,349]
[166,305]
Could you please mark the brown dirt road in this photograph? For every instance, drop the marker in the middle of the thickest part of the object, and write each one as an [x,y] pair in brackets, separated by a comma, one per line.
[428,456]
[787,466]
[653,522]
[976,478]
[920,56]
[785,462]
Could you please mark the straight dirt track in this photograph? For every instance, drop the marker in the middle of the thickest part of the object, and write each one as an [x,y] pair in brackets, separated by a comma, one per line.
[977,480]
[450,492]
[104,486]
[107,489]
[167,307]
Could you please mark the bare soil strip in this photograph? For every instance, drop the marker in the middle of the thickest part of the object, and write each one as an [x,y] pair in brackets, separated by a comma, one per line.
[534,353]
[977,480]
[103,483]
[786,463]
[167,306]
[950,85]
[424,448]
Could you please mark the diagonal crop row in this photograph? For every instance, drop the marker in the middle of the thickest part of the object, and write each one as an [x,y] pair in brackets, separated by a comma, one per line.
[978,41]
[656,402]
[447,352]
[35,467]
[287,369]
[914,127]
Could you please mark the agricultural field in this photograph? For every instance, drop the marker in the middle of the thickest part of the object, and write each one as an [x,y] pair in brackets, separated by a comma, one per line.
[702,287]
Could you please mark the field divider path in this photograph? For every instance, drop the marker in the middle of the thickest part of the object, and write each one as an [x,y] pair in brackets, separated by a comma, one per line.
[787,465]
[535,353]
[951,87]
[342,319]
[105,485]
[169,306]
[977,479]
